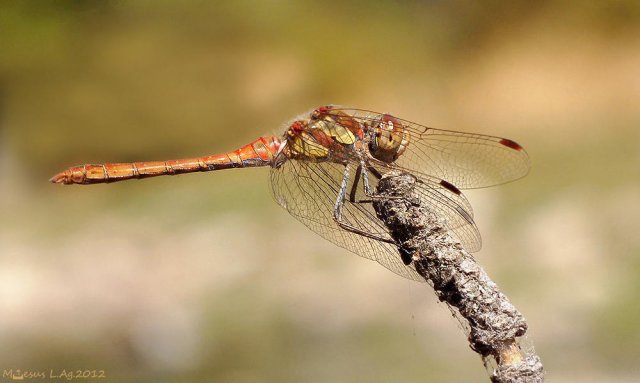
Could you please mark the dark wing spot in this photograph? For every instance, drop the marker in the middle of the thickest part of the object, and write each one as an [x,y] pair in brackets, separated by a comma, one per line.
[450,187]
[510,144]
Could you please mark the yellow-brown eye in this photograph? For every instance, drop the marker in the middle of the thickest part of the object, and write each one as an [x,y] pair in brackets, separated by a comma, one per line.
[389,139]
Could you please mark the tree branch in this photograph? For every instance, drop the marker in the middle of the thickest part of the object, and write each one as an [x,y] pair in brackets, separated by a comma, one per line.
[494,324]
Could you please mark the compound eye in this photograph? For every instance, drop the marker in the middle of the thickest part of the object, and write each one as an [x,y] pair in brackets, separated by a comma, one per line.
[389,122]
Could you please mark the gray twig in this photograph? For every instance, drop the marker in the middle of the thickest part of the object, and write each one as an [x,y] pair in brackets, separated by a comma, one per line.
[494,324]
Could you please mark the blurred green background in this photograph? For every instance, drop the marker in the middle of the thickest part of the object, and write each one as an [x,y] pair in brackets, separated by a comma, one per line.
[203,278]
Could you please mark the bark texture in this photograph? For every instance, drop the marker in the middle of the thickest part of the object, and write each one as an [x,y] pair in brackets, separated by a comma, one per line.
[493,323]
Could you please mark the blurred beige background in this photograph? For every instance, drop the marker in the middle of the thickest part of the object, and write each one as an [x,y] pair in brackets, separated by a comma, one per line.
[203,278]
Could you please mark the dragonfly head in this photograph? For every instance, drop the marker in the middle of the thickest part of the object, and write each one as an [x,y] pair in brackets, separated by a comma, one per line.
[389,138]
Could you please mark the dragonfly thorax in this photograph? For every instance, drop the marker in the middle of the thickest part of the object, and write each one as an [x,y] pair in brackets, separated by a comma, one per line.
[321,139]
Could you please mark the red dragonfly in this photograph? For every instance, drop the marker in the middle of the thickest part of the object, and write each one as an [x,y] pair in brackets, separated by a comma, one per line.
[325,168]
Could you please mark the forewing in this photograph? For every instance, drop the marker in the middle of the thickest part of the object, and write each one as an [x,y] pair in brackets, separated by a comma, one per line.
[467,160]
[308,190]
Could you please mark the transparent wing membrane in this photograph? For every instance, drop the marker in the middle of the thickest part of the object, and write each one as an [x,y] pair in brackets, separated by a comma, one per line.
[466,160]
[308,190]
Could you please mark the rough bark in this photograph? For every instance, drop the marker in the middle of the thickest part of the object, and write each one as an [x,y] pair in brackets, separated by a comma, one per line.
[494,324]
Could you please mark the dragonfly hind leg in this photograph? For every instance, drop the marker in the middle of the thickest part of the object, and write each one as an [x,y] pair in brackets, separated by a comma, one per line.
[361,171]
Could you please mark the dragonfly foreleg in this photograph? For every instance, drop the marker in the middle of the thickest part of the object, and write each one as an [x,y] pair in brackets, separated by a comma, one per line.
[337,210]
[363,171]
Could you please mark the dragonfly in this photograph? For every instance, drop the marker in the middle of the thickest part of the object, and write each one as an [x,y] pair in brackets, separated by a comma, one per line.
[325,168]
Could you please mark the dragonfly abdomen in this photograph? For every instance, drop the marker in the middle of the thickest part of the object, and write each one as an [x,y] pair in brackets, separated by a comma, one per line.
[258,153]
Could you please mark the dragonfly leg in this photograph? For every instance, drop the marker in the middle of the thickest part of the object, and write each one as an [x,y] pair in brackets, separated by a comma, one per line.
[404,254]
[365,179]
[363,171]
[337,211]
[354,185]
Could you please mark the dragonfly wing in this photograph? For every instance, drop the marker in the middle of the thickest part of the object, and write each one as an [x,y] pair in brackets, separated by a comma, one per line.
[453,209]
[447,202]
[448,194]
[467,160]
[308,191]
